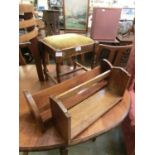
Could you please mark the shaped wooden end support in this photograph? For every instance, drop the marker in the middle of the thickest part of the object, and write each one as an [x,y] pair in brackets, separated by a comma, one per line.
[71,121]
[83,103]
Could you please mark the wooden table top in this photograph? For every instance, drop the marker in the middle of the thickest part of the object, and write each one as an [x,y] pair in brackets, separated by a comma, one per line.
[30,137]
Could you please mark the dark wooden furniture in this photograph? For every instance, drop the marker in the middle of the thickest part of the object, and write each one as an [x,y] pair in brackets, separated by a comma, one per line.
[28,35]
[117,55]
[51,19]
[30,136]
[67,53]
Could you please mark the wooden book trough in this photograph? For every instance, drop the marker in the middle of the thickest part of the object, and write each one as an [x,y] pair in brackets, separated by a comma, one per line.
[78,102]
[77,108]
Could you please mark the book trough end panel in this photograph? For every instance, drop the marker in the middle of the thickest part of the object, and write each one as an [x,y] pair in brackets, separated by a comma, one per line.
[70,122]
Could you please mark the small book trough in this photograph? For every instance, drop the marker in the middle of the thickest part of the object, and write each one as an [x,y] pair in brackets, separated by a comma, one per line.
[77,108]
[76,103]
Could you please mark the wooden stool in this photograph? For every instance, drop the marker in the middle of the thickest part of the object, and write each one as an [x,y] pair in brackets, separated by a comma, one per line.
[65,47]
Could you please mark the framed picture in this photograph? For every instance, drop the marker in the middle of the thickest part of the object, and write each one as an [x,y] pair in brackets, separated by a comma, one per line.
[76,15]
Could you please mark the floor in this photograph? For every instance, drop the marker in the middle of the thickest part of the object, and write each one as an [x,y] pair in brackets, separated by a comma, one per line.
[110,143]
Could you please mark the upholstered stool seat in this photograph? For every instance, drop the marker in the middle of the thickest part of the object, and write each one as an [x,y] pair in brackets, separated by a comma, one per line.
[65,46]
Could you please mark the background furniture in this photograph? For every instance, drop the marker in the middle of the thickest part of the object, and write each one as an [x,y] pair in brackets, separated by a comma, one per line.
[117,55]
[28,35]
[51,18]
[64,47]
[107,29]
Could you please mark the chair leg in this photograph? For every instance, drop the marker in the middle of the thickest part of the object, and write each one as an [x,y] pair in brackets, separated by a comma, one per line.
[63,151]
[36,54]
[21,59]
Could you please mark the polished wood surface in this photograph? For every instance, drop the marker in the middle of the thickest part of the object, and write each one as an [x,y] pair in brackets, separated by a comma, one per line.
[69,53]
[116,54]
[86,112]
[32,139]
[28,35]
[39,102]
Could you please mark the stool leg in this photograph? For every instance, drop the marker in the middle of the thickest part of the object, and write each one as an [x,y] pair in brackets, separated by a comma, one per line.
[63,151]
[58,71]
[74,61]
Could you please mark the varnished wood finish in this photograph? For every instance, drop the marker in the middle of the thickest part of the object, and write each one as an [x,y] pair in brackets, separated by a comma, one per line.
[26,8]
[67,54]
[61,119]
[21,59]
[39,105]
[118,81]
[89,110]
[30,136]
[28,24]
[115,55]
[82,86]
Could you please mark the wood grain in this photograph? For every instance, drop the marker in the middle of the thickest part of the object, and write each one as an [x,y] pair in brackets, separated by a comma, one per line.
[84,94]
[84,85]
[115,53]
[27,23]
[85,113]
[30,137]
[118,81]
[28,36]
[88,111]
[61,119]
[27,8]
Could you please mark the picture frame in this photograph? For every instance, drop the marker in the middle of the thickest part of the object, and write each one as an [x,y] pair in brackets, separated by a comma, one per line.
[76,16]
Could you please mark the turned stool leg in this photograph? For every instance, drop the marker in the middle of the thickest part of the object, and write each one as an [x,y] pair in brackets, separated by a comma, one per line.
[63,151]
